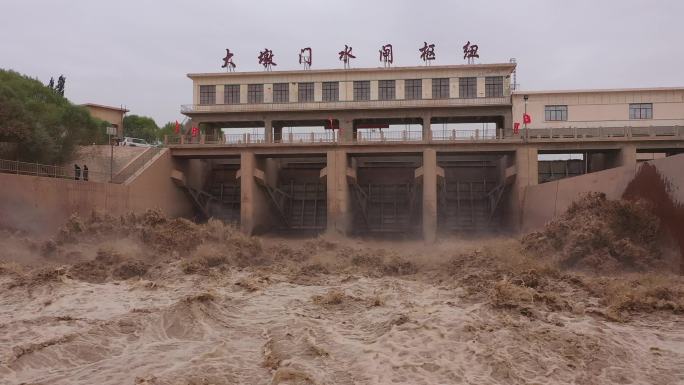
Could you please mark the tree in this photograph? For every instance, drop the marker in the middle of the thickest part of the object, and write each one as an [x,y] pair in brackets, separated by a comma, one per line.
[45,126]
[168,129]
[142,127]
[51,85]
[60,85]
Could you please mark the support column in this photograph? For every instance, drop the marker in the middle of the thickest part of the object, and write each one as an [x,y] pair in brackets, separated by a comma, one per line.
[507,124]
[430,195]
[268,131]
[346,133]
[526,174]
[255,209]
[247,191]
[627,156]
[427,128]
[338,197]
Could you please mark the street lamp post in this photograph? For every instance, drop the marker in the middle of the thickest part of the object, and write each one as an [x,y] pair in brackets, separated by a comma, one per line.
[111,131]
[527,134]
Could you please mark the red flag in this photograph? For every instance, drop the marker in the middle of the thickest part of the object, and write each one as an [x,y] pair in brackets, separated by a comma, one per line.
[195,131]
[516,128]
[527,119]
[177,129]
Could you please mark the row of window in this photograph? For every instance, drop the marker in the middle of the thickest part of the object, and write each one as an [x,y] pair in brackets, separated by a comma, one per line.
[636,111]
[413,90]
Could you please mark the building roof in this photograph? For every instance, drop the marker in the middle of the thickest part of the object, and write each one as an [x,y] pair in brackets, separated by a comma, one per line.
[124,110]
[551,92]
[508,66]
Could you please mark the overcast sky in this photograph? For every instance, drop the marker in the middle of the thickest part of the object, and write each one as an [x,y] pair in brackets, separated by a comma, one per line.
[136,53]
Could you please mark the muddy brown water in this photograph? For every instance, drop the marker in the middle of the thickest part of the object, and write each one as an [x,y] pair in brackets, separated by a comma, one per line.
[324,324]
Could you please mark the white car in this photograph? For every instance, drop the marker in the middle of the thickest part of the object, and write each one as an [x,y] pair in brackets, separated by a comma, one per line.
[135,142]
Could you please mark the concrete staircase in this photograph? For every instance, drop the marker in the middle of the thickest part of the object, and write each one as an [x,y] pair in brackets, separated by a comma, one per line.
[136,164]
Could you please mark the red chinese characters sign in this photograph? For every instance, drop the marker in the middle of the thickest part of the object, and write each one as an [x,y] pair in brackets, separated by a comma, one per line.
[266,59]
[386,55]
[306,57]
[427,52]
[346,55]
[470,52]
[228,61]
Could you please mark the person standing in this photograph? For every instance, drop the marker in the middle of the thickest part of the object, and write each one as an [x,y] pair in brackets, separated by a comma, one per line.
[77,172]
[85,172]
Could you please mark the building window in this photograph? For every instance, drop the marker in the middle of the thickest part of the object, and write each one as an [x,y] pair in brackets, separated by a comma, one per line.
[331,91]
[413,89]
[281,93]
[641,111]
[207,94]
[386,90]
[555,113]
[255,93]
[306,92]
[494,86]
[231,94]
[440,88]
[362,90]
[467,87]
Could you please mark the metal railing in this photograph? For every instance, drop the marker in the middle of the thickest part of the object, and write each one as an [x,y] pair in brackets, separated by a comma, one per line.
[603,132]
[445,135]
[461,135]
[44,170]
[248,138]
[309,137]
[389,136]
[217,138]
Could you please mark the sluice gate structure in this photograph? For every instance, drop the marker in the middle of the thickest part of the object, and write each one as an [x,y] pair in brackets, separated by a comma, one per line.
[413,151]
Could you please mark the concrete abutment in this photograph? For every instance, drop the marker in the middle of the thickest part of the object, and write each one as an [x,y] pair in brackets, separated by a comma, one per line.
[337,174]
[430,172]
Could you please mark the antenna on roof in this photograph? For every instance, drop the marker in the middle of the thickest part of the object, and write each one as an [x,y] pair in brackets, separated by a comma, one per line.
[515,84]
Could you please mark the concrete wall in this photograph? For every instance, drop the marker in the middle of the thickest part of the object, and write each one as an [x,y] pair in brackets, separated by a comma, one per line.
[97,158]
[153,188]
[42,204]
[545,201]
[602,108]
